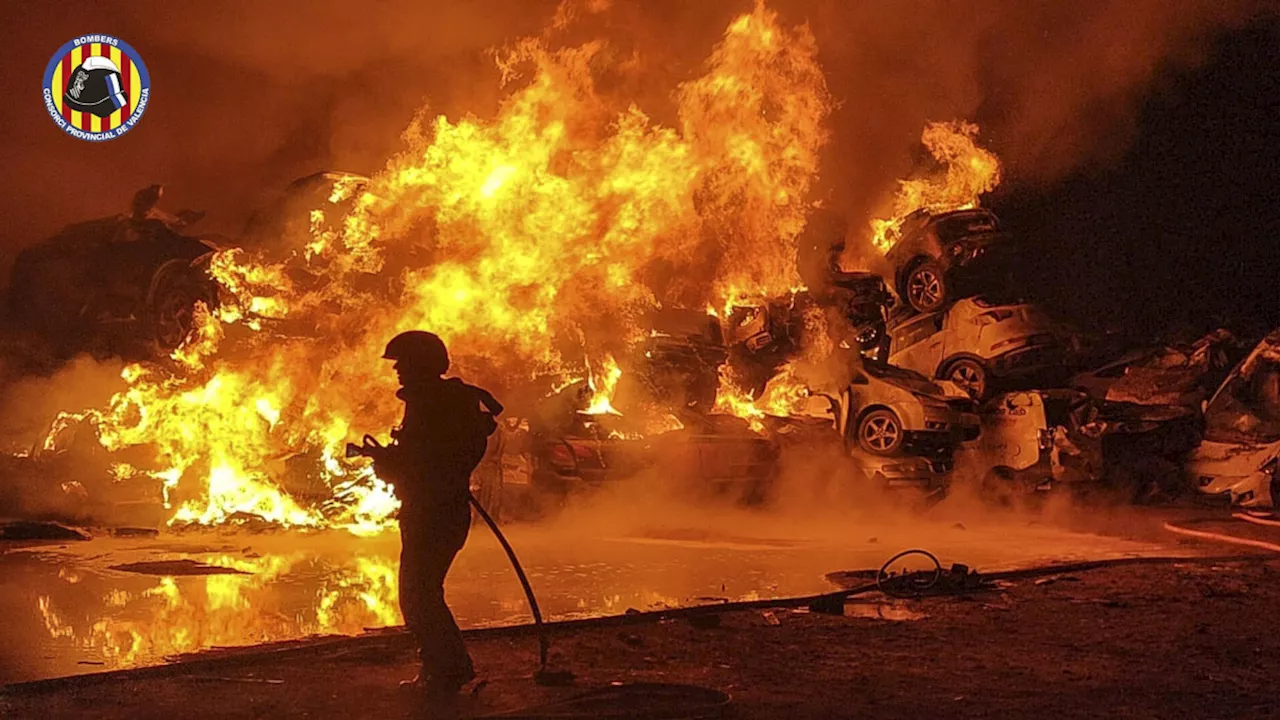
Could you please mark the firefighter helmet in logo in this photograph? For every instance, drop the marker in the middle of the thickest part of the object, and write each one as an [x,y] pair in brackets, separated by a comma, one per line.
[96,87]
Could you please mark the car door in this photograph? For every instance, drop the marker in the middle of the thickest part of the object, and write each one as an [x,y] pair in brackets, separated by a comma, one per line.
[918,344]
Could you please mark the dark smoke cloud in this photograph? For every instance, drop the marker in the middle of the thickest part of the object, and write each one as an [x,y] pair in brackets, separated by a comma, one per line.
[249,95]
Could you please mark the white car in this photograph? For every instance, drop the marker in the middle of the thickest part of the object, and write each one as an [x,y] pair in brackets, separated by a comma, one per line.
[1238,457]
[887,411]
[976,340]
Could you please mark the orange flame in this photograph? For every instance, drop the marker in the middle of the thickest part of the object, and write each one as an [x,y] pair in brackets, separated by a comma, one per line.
[523,241]
[971,171]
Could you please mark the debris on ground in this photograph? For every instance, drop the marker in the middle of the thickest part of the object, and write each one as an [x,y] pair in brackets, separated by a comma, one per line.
[176,567]
[37,530]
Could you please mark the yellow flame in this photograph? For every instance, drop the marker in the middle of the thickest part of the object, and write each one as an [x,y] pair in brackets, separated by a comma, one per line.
[524,241]
[971,171]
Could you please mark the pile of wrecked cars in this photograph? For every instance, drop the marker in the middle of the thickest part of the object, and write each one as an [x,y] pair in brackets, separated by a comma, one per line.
[937,377]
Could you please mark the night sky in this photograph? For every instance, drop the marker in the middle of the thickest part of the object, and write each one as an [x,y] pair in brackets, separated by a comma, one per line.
[1184,231]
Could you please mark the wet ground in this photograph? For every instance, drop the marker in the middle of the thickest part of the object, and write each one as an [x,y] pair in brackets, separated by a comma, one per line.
[89,606]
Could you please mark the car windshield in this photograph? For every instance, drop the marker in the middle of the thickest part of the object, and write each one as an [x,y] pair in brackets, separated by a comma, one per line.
[1247,408]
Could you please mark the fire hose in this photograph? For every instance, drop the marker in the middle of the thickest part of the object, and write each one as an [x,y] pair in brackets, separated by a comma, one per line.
[372,449]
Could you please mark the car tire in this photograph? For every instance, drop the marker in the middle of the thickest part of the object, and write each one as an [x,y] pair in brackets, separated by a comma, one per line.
[926,287]
[880,432]
[968,375]
[171,305]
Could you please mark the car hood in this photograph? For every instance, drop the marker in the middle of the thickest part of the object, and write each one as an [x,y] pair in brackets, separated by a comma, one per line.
[921,388]
[1221,458]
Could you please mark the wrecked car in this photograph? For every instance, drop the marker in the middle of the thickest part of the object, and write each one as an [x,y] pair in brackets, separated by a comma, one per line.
[923,477]
[887,410]
[1032,440]
[976,341]
[678,362]
[1163,375]
[122,285]
[858,303]
[717,455]
[936,255]
[763,337]
[1237,460]
[855,302]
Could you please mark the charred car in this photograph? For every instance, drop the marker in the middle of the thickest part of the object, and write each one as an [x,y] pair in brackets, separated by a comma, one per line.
[761,338]
[858,303]
[976,341]
[937,255]
[122,285]
[1164,375]
[1032,440]
[1035,440]
[678,362]
[1237,460]
[715,454]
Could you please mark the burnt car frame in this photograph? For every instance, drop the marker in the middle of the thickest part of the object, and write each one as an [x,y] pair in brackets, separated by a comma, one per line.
[119,285]
[1239,457]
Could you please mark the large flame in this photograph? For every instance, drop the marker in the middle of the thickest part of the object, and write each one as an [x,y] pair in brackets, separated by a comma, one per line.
[527,242]
[969,172]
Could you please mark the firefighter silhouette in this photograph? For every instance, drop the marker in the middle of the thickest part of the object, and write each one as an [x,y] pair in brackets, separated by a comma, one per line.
[442,440]
[94,87]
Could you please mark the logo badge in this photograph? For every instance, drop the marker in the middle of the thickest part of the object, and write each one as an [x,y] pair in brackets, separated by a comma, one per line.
[96,87]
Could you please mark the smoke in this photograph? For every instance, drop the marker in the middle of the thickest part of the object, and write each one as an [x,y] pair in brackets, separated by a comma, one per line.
[244,101]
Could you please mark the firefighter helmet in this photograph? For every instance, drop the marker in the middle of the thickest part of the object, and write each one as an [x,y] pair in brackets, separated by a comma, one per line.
[95,88]
[421,347]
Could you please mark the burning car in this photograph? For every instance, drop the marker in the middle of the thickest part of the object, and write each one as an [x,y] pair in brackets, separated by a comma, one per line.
[888,410]
[1241,448]
[761,338]
[718,454]
[678,362]
[125,284]
[860,300]
[765,336]
[935,252]
[286,222]
[974,341]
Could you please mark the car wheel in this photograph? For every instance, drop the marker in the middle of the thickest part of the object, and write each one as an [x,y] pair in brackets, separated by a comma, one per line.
[926,287]
[880,432]
[171,306]
[969,376]
[172,316]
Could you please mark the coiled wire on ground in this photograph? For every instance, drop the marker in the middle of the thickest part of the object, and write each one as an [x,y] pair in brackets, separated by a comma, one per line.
[908,584]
